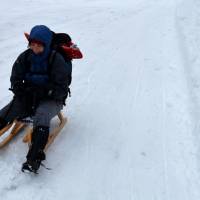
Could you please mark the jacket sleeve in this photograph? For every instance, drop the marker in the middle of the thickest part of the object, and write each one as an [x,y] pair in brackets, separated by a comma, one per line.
[60,77]
[18,70]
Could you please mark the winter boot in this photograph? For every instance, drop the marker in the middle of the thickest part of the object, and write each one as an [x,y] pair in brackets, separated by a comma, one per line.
[36,151]
[34,165]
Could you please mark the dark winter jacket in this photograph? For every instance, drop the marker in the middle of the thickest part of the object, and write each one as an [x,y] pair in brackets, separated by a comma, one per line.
[59,76]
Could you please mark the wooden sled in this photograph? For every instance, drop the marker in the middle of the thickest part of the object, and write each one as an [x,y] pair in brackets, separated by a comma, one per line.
[17,126]
[52,135]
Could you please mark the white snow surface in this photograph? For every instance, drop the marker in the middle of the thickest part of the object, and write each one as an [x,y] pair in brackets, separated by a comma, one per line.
[133,129]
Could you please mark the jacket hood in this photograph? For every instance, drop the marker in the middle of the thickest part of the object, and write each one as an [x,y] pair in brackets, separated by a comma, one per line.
[41,33]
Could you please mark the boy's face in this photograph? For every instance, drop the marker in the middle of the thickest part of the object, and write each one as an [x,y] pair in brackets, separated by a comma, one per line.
[37,48]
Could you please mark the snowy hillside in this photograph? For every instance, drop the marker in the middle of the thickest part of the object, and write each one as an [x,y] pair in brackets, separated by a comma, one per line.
[133,131]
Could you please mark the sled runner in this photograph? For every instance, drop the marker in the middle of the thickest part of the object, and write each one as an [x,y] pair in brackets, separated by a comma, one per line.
[18,125]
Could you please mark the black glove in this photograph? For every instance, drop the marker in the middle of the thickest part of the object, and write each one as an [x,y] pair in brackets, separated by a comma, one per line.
[18,89]
[39,92]
[48,90]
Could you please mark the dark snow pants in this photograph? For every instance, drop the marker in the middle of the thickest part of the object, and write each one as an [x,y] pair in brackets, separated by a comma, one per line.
[46,110]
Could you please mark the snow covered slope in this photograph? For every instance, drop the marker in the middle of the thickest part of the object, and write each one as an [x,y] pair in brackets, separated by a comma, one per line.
[132,131]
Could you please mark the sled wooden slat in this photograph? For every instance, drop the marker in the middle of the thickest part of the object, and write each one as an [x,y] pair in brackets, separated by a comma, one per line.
[17,127]
[27,137]
[6,128]
[56,130]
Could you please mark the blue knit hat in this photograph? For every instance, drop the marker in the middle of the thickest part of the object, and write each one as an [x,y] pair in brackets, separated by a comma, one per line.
[41,33]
